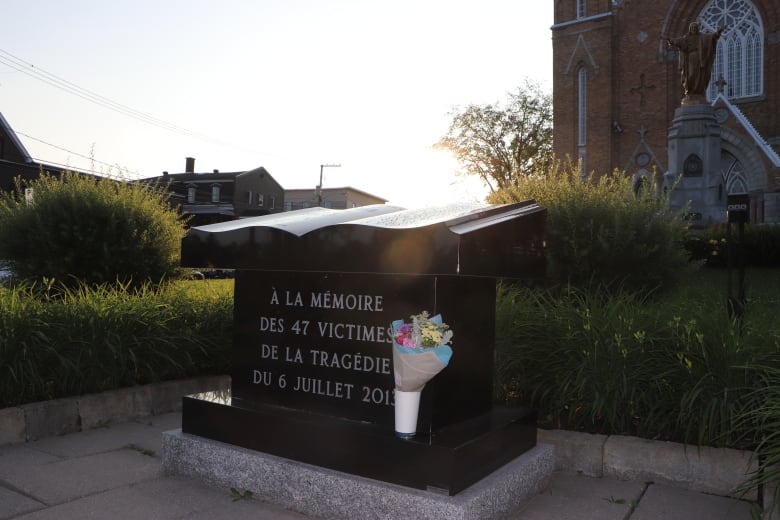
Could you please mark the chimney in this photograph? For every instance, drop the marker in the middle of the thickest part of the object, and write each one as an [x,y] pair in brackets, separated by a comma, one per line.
[216,171]
[165,174]
[190,165]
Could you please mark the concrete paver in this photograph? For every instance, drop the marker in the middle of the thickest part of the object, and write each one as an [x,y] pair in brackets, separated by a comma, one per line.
[13,503]
[573,497]
[69,479]
[143,433]
[164,497]
[115,472]
[671,503]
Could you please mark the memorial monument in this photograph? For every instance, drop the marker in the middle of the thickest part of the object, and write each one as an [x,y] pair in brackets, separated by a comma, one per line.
[316,295]
[694,137]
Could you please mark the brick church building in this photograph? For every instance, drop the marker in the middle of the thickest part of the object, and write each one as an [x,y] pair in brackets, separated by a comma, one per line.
[616,86]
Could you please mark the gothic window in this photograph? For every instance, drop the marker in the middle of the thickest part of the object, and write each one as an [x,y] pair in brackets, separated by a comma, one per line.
[740,48]
[582,106]
[580,8]
[733,173]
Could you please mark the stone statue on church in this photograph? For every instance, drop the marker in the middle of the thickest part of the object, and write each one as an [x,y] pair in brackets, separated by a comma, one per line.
[697,53]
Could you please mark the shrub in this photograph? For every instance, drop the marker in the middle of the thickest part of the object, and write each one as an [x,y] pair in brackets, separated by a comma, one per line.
[762,417]
[602,233]
[82,229]
[621,363]
[91,339]
[760,247]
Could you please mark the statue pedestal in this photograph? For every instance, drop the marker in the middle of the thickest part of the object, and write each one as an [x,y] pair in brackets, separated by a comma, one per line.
[694,164]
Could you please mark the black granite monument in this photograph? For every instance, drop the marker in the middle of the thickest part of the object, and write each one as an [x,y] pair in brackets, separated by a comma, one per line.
[312,375]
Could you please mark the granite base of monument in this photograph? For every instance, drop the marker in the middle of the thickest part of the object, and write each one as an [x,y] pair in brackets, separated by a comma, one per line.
[694,150]
[448,460]
[324,493]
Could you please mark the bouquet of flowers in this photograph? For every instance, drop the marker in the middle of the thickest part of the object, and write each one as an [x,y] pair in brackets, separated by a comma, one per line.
[420,350]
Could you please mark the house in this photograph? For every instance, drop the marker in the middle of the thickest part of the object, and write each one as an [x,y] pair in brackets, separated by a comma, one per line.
[219,196]
[15,161]
[335,198]
[206,197]
[616,89]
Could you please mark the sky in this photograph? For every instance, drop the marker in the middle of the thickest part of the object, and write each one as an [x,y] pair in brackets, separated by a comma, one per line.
[133,87]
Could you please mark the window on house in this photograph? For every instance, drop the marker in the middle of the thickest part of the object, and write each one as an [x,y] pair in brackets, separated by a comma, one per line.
[740,55]
[190,194]
[580,8]
[272,202]
[260,199]
[250,197]
[215,193]
[582,106]
[288,206]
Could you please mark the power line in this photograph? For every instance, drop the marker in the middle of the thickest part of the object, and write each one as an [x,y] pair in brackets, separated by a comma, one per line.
[66,150]
[53,80]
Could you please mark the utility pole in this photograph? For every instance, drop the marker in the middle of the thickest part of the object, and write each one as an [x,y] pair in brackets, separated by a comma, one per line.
[319,186]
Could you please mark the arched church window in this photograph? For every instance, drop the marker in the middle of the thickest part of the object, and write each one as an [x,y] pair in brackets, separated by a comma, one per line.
[582,106]
[582,118]
[740,52]
[734,175]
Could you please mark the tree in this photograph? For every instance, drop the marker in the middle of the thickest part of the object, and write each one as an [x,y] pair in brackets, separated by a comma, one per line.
[501,144]
[83,229]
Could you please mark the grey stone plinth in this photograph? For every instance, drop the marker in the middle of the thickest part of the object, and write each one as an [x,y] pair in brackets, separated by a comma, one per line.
[325,493]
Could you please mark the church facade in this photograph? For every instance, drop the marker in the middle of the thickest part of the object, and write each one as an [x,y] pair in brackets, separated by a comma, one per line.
[616,86]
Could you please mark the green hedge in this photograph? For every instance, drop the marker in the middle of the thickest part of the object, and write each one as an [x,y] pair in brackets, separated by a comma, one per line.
[601,233]
[673,367]
[81,229]
[760,246]
[91,339]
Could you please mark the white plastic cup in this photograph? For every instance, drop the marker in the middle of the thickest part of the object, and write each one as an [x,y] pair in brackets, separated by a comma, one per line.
[407,406]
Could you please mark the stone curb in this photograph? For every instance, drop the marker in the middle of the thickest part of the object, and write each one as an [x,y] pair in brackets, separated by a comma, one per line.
[718,471]
[34,421]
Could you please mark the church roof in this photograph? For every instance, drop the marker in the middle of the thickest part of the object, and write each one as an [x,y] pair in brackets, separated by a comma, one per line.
[761,143]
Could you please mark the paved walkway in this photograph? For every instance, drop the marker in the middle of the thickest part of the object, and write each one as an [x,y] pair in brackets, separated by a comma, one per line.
[114,473]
